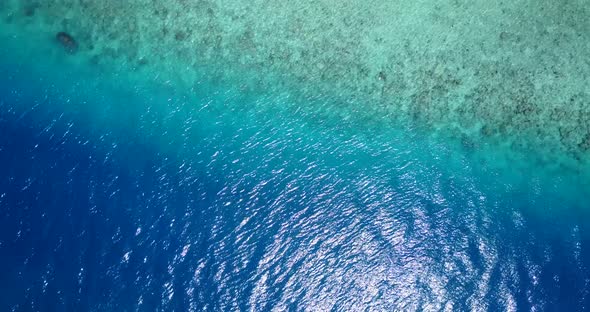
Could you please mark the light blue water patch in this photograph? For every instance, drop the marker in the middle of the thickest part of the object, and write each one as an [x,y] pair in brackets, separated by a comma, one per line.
[120,193]
[517,77]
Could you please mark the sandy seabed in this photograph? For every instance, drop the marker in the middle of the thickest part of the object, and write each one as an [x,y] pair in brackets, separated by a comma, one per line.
[515,74]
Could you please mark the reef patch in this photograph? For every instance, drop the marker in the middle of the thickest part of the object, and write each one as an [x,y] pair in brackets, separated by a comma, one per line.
[67,41]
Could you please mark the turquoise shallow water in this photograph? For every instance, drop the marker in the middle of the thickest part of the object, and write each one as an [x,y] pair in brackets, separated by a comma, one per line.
[127,190]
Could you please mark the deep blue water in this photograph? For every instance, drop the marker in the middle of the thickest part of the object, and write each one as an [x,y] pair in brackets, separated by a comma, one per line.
[171,210]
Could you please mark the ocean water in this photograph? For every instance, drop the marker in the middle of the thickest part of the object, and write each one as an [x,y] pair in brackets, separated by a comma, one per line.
[130,185]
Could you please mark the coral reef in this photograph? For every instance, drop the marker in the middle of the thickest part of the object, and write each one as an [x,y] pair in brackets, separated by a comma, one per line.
[515,72]
[67,41]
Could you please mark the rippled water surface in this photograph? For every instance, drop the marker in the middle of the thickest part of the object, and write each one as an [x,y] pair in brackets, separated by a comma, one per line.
[121,194]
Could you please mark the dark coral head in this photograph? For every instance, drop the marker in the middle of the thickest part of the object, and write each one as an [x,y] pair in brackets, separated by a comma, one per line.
[67,41]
